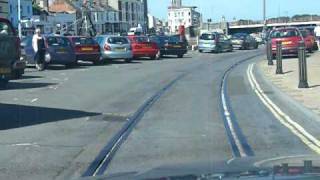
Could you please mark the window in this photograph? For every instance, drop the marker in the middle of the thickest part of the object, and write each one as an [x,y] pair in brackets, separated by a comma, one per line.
[118,40]
[182,13]
[28,9]
[189,13]
[10,8]
[5,29]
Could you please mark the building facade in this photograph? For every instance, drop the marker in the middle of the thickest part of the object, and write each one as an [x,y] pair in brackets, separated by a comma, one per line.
[4,8]
[131,13]
[182,15]
[25,9]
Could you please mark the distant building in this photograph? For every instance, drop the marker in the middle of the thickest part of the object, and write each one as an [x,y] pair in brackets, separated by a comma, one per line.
[44,4]
[131,13]
[152,22]
[4,8]
[182,15]
[26,11]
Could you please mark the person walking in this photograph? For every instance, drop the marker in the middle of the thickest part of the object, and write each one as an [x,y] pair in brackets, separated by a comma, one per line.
[38,46]
[317,34]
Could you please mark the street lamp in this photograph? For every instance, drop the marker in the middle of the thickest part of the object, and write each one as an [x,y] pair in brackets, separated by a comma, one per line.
[19,18]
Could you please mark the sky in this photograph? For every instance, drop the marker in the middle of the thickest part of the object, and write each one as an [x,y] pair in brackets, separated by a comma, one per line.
[240,9]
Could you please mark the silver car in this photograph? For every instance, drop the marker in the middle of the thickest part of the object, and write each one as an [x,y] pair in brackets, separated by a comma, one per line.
[214,42]
[115,47]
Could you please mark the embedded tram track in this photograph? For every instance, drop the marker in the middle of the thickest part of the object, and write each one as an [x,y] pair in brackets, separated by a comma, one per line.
[102,161]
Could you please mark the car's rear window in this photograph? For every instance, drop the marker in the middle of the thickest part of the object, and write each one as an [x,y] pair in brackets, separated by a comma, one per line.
[58,41]
[208,37]
[141,39]
[117,40]
[174,38]
[284,33]
[239,36]
[5,29]
[84,41]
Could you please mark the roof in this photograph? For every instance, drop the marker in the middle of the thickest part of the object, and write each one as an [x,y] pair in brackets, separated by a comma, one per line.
[63,6]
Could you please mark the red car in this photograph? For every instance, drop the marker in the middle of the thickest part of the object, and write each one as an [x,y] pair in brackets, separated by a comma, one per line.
[142,47]
[289,37]
[86,49]
[309,39]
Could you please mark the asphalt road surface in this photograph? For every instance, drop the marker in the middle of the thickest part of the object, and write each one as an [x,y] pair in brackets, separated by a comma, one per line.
[204,108]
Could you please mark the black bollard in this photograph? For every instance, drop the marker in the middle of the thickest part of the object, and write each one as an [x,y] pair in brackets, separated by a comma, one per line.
[303,77]
[279,58]
[269,53]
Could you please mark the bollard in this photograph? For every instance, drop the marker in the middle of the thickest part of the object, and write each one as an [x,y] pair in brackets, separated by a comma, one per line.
[303,77]
[269,53]
[279,58]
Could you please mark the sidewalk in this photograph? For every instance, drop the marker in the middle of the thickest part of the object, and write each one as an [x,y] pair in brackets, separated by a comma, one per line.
[288,82]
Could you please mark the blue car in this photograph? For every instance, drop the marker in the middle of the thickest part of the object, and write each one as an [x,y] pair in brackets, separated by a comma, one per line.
[59,50]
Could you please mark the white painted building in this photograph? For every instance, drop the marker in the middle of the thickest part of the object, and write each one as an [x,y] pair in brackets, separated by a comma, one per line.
[152,22]
[182,15]
[26,11]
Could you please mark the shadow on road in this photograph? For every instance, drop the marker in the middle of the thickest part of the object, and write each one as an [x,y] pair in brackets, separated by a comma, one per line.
[16,116]
[24,85]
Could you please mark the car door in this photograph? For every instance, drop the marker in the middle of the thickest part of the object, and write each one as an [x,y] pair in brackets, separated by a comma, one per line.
[221,42]
[28,50]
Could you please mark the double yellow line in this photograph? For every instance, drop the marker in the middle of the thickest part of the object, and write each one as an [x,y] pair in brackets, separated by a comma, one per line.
[284,119]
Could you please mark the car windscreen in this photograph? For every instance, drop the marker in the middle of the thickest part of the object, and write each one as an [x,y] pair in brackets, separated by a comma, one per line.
[173,38]
[304,33]
[285,33]
[84,41]
[58,41]
[117,40]
[141,39]
[239,36]
[208,37]
[5,29]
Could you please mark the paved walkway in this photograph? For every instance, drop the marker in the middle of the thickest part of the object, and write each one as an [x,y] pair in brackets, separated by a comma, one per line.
[288,82]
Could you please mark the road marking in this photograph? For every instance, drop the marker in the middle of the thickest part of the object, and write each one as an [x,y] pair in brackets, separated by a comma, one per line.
[25,144]
[34,100]
[284,119]
[230,124]
[259,163]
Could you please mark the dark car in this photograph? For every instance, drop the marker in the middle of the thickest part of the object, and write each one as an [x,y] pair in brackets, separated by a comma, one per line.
[59,50]
[214,42]
[171,45]
[244,41]
[86,49]
[10,64]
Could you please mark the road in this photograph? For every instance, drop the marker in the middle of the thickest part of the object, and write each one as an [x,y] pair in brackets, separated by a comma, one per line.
[55,123]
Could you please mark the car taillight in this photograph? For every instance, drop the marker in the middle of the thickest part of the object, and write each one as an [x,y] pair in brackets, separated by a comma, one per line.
[96,48]
[77,49]
[107,47]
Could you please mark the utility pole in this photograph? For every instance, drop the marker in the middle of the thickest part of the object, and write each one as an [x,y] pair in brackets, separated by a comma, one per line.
[19,18]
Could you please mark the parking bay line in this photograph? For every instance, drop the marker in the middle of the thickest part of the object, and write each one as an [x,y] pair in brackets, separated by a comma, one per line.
[284,119]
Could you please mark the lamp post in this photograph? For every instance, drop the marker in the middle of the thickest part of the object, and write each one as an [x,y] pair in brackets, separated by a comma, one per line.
[19,18]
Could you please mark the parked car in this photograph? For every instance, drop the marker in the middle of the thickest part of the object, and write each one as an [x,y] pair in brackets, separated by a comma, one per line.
[214,42]
[86,49]
[289,37]
[309,39]
[59,50]
[114,47]
[257,37]
[244,41]
[10,64]
[170,45]
[142,47]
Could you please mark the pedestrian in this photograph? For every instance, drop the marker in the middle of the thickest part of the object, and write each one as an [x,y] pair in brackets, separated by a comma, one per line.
[38,46]
[317,34]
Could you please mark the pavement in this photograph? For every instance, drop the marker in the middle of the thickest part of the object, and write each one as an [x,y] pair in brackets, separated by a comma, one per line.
[288,82]
[55,123]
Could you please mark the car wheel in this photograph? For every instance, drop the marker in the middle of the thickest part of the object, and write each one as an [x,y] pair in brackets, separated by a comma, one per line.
[153,57]
[200,51]
[17,74]
[180,55]
[128,60]
[71,65]
[310,50]
[3,83]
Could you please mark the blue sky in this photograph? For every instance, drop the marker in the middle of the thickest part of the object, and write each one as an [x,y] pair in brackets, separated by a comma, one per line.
[240,9]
